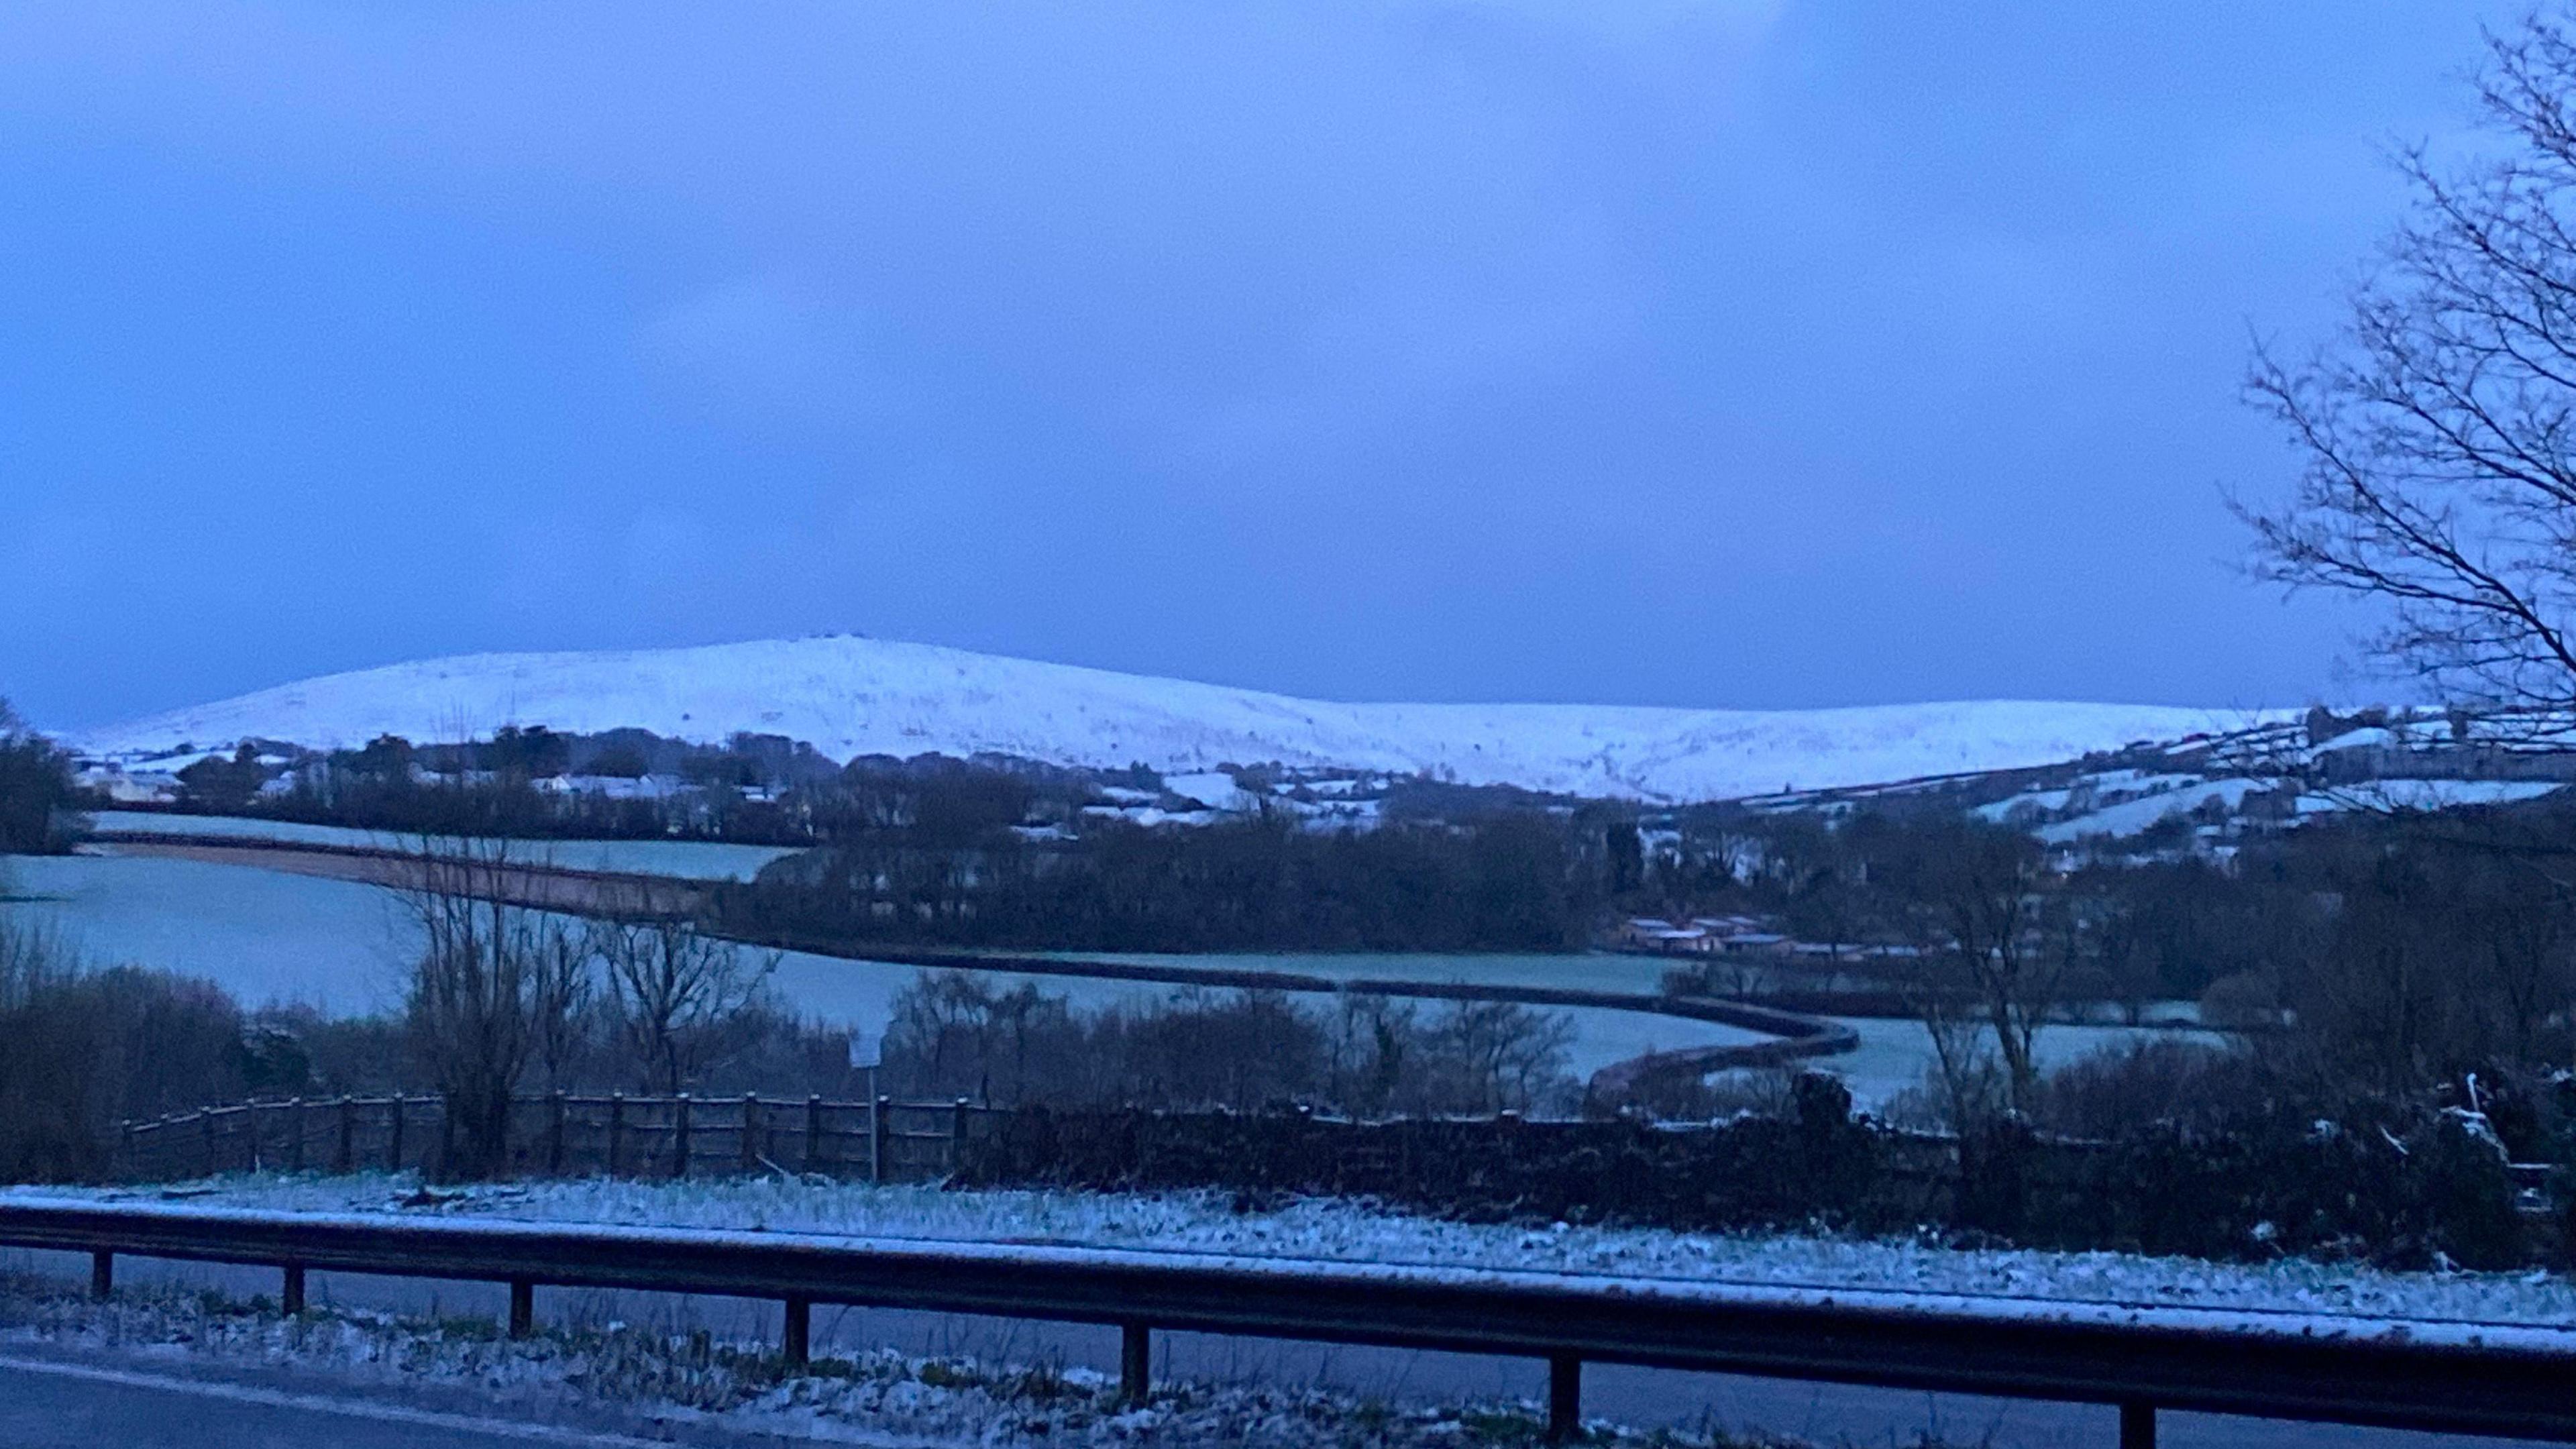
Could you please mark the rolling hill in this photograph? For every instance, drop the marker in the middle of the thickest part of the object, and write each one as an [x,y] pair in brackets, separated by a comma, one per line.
[849,696]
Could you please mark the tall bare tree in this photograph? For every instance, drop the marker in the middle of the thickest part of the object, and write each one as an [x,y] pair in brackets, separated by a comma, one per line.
[478,1001]
[676,994]
[1992,951]
[2438,474]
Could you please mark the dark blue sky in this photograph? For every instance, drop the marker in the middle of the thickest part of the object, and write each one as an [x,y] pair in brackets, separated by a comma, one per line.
[1756,354]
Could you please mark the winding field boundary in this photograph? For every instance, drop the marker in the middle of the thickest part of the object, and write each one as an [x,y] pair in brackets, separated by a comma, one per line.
[1792,1036]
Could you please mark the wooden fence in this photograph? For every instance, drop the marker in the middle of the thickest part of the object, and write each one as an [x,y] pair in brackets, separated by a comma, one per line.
[565,1134]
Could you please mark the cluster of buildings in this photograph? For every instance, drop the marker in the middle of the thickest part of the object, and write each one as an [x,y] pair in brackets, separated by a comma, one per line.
[1702,936]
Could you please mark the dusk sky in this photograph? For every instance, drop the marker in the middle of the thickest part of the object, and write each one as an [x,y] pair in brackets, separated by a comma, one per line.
[1733,354]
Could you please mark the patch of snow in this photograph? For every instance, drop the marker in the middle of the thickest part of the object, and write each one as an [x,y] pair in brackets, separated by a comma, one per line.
[2132,817]
[1213,788]
[2425,795]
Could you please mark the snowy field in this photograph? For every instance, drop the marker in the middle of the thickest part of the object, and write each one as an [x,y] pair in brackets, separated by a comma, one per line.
[1587,971]
[850,696]
[686,859]
[1895,1052]
[339,947]
[1320,1230]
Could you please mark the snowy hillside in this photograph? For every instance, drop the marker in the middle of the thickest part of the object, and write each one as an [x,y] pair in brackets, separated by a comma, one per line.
[850,696]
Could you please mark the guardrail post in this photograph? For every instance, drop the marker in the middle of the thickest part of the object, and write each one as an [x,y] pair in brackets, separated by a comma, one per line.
[876,1138]
[393,1139]
[795,1338]
[2137,1426]
[813,1132]
[750,1132]
[555,1135]
[1564,1398]
[523,1307]
[680,1135]
[1135,1362]
[616,1132]
[341,1157]
[957,1138]
[102,1273]
[290,1290]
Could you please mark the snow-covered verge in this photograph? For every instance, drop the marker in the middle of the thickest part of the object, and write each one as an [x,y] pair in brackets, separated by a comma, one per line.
[626,1376]
[851,696]
[1346,1232]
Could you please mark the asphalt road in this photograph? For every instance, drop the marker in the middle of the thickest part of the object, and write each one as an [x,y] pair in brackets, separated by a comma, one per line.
[1827,1413]
[53,1405]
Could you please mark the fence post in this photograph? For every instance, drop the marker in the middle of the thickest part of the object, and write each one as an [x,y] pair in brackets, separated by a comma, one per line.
[341,1157]
[393,1139]
[616,1132]
[290,1290]
[102,1274]
[2137,1426]
[250,1124]
[1135,1362]
[750,1132]
[813,1132]
[555,1137]
[295,1125]
[206,1133]
[795,1339]
[876,1138]
[680,1135]
[523,1307]
[125,1148]
[1564,1398]
[957,1138]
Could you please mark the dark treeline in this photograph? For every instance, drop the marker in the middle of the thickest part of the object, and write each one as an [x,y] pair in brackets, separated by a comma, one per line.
[514,784]
[1515,883]
[958,1033]
[37,798]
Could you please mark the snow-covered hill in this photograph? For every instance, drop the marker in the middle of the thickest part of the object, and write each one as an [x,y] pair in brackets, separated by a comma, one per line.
[850,696]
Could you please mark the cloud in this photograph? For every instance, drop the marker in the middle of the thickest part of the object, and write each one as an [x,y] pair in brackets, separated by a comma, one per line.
[767,347]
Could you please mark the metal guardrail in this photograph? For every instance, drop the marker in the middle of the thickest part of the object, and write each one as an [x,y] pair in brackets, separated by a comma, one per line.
[2514,1381]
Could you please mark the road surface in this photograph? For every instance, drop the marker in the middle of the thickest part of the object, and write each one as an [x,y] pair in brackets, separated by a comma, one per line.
[50,1403]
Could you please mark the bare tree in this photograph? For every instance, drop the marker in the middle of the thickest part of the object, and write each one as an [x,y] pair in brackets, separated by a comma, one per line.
[478,997]
[567,983]
[2438,477]
[1992,953]
[676,994]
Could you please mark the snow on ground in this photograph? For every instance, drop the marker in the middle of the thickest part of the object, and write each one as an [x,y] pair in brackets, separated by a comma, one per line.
[2131,817]
[685,859]
[2424,795]
[851,696]
[694,1387]
[1896,1051]
[1321,1230]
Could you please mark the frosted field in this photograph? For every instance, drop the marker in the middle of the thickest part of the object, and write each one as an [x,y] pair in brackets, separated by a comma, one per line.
[339,947]
[1322,1230]
[686,859]
[1590,971]
[1894,1053]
